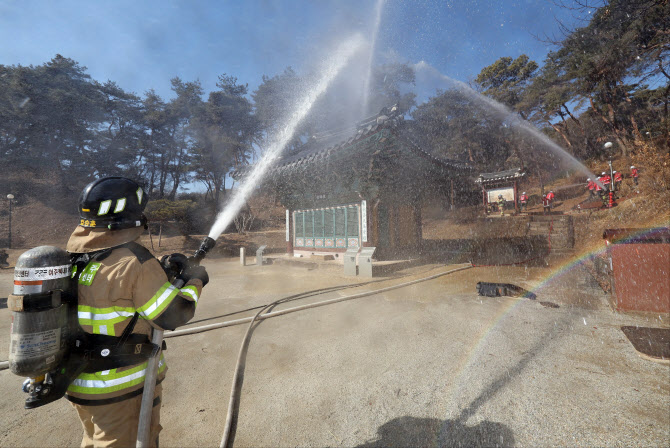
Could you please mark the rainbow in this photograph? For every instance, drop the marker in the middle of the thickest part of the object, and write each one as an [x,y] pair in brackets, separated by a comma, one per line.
[593,250]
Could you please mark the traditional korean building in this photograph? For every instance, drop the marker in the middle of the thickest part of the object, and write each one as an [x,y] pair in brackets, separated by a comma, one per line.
[501,183]
[361,189]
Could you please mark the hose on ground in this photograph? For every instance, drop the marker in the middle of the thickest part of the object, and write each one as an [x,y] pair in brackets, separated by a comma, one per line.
[5,364]
[230,323]
[259,316]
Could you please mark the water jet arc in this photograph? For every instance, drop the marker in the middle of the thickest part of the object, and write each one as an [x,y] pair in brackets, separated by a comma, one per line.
[331,69]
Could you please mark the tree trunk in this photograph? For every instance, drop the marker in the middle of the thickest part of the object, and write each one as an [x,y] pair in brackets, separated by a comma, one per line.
[665,120]
[561,133]
[587,144]
[610,124]
[470,156]
[579,123]
[217,190]
[636,130]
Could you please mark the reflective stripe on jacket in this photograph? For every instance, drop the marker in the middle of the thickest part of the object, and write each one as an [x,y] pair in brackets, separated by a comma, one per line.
[111,290]
[111,381]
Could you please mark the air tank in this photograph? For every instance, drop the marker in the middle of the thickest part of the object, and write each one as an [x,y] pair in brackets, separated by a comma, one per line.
[39,330]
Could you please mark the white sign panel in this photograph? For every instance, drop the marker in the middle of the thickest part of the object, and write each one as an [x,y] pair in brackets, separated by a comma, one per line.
[45,273]
[507,194]
[287,228]
[364,221]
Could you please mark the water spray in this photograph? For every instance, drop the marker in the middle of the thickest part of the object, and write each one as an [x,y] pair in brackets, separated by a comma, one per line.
[506,113]
[333,66]
[373,43]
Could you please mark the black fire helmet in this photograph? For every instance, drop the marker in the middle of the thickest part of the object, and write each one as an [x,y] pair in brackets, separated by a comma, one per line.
[114,203]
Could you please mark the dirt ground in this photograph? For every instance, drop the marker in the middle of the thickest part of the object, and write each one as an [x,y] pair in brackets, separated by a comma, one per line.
[430,364]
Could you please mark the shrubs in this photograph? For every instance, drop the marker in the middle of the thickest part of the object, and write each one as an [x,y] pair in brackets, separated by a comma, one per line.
[180,212]
[655,167]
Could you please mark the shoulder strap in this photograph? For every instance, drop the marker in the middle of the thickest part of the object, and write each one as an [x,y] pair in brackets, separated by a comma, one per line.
[128,330]
[142,253]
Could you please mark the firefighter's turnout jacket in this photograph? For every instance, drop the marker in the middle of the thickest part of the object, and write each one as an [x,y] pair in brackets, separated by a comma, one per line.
[112,288]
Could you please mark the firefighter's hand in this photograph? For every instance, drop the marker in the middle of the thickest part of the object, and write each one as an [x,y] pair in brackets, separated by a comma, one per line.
[174,264]
[192,272]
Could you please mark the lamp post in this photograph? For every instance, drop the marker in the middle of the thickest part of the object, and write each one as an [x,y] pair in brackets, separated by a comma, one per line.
[608,147]
[10,197]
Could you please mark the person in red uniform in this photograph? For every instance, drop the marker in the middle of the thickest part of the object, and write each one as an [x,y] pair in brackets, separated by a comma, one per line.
[546,204]
[551,196]
[523,199]
[599,185]
[633,174]
[592,187]
[606,180]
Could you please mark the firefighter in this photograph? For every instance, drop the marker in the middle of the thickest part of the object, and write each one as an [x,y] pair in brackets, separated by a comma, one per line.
[523,199]
[501,204]
[551,196]
[591,186]
[598,187]
[123,287]
[546,204]
[618,178]
[606,180]
[634,174]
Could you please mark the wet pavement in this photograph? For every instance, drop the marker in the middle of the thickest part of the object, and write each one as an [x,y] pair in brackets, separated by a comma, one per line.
[429,364]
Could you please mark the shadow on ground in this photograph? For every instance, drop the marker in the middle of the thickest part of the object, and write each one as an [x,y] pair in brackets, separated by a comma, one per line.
[411,431]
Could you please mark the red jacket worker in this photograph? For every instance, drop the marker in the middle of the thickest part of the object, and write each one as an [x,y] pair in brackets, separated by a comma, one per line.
[591,186]
[551,196]
[633,174]
[523,199]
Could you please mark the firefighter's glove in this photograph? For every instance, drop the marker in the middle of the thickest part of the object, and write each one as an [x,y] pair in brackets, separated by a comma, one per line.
[194,271]
[174,264]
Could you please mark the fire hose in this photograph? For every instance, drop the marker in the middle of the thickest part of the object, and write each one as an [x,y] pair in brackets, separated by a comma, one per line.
[152,368]
[146,407]
[260,315]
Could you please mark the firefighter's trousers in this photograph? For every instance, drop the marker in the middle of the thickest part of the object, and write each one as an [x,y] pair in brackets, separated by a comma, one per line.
[115,425]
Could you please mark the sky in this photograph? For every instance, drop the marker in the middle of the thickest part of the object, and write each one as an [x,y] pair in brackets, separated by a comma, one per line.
[142,44]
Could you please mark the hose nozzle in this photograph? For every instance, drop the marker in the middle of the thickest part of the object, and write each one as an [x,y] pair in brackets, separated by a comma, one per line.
[206,245]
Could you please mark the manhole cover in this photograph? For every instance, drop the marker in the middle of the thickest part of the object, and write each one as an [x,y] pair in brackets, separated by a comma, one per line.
[651,342]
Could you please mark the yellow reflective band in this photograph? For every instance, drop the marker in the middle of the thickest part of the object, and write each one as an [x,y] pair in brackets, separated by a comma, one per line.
[158,302]
[112,381]
[190,291]
[103,319]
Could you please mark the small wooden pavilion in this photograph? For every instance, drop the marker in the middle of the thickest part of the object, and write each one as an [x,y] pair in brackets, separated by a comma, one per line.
[363,190]
[501,183]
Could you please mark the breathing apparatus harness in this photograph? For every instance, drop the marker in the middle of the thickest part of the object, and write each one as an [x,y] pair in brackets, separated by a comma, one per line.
[49,345]
[47,342]
[104,352]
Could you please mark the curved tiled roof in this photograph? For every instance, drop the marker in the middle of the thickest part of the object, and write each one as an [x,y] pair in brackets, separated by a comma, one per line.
[500,176]
[320,148]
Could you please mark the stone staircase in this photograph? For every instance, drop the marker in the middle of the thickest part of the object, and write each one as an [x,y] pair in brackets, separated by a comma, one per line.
[558,230]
